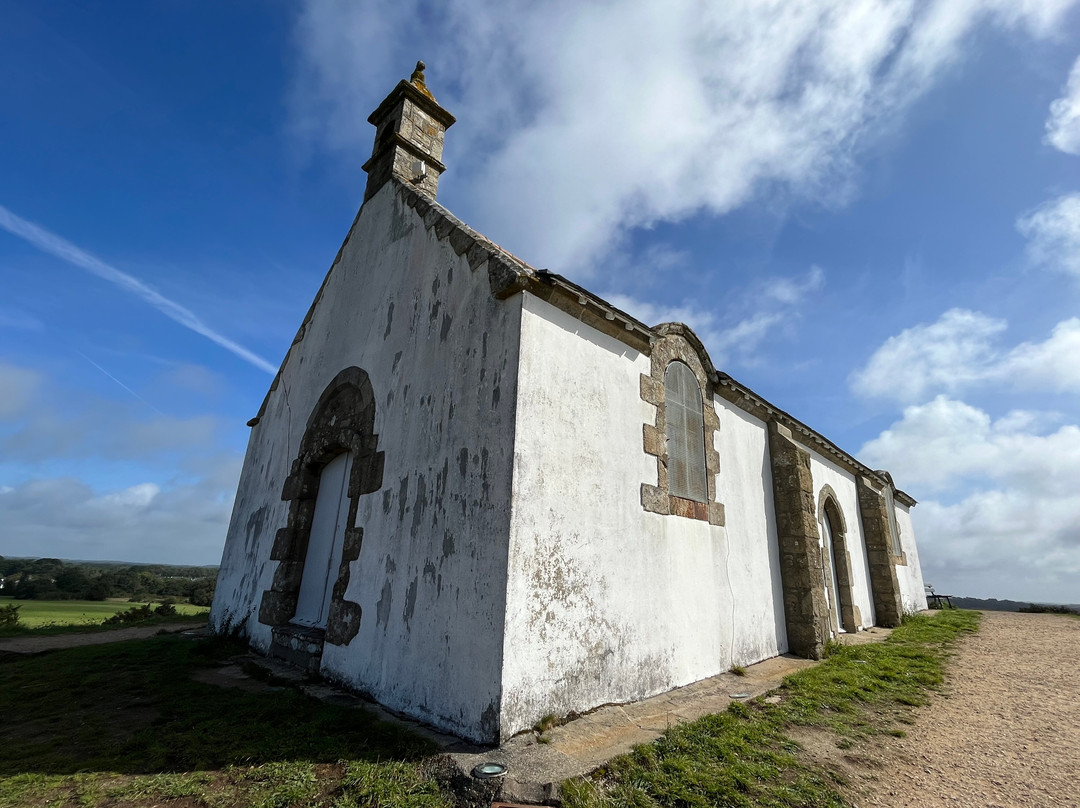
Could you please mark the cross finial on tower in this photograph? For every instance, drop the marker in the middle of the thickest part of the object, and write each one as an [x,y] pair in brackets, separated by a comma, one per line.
[409,128]
[417,80]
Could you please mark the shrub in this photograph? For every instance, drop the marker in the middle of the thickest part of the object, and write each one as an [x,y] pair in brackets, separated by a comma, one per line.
[166,609]
[136,614]
[9,616]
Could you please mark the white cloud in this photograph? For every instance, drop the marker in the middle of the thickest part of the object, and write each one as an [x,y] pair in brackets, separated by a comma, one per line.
[1005,498]
[179,483]
[17,388]
[1063,125]
[578,122]
[104,429]
[960,351]
[182,523]
[66,251]
[945,444]
[1053,233]
[735,334]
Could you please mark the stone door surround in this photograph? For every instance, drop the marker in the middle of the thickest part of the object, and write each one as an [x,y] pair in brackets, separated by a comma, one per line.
[343,420]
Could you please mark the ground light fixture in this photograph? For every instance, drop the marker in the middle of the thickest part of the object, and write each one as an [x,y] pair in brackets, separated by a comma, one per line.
[489,770]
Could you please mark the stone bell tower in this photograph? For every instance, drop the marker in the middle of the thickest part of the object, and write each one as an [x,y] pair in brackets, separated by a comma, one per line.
[409,129]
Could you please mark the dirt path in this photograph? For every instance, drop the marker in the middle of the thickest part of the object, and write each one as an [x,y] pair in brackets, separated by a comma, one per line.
[35,645]
[1005,733]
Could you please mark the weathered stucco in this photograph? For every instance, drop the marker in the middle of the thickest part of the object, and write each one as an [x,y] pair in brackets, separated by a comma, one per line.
[607,601]
[841,482]
[512,546]
[430,579]
[909,576]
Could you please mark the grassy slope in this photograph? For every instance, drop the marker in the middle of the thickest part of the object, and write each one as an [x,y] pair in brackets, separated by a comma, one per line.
[125,725]
[743,757]
[37,613]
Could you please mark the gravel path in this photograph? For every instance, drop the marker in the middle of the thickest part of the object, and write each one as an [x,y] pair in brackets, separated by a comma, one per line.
[35,645]
[1005,733]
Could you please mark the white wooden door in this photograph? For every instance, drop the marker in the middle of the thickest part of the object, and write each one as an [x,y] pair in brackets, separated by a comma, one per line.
[834,608]
[324,547]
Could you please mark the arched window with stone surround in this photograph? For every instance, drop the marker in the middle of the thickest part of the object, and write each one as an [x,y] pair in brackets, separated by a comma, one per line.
[684,432]
[836,563]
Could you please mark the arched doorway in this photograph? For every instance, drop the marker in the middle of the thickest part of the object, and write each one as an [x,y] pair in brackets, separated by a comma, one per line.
[337,463]
[323,557]
[842,610]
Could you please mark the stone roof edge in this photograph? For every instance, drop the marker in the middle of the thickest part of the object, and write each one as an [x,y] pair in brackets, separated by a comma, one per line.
[508,275]
[746,399]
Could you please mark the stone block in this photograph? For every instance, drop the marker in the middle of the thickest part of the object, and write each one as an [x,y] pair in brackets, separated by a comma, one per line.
[432,217]
[283,542]
[276,608]
[652,390]
[444,227]
[477,255]
[655,499]
[716,514]
[653,440]
[504,278]
[461,240]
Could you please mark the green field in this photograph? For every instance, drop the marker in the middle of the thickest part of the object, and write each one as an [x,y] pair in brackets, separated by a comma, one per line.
[38,613]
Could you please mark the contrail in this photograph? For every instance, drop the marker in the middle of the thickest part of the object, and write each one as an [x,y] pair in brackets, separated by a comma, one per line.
[99,367]
[65,250]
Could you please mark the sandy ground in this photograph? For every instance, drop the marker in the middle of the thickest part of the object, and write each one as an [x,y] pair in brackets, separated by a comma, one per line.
[35,645]
[1006,731]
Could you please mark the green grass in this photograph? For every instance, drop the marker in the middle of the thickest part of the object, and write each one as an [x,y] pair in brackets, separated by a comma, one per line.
[126,725]
[60,616]
[745,757]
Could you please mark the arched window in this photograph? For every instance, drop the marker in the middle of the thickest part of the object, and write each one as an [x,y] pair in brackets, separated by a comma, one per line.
[685,434]
[684,429]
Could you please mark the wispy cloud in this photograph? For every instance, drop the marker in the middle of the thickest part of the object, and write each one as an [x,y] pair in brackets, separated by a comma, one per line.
[122,385]
[1063,125]
[66,251]
[18,387]
[960,351]
[995,495]
[19,320]
[1053,233]
[579,122]
[734,334]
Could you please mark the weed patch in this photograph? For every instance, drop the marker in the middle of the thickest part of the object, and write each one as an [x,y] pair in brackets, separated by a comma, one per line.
[746,757]
[126,725]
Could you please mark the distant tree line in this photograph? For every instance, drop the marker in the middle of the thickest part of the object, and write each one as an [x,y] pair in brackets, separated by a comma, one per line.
[53,579]
[1045,608]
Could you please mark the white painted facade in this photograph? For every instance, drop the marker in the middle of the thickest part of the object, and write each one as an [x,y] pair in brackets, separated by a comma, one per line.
[431,577]
[508,569]
[909,575]
[605,601]
[842,483]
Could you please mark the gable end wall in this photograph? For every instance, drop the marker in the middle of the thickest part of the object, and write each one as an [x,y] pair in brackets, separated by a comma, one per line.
[405,306]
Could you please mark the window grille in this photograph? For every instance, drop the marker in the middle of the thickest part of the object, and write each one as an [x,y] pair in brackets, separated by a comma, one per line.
[894,531]
[685,434]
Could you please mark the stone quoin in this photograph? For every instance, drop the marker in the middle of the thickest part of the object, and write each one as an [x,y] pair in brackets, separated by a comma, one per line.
[481,494]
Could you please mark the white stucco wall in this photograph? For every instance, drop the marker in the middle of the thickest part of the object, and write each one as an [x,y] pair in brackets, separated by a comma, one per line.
[826,472]
[605,601]
[441,354]
[909,575]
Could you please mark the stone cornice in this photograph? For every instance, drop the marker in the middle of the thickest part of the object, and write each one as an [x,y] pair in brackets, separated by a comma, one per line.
[404,89]
[508,275]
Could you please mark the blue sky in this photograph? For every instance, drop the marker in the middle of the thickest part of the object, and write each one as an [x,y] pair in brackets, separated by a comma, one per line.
[869,210]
